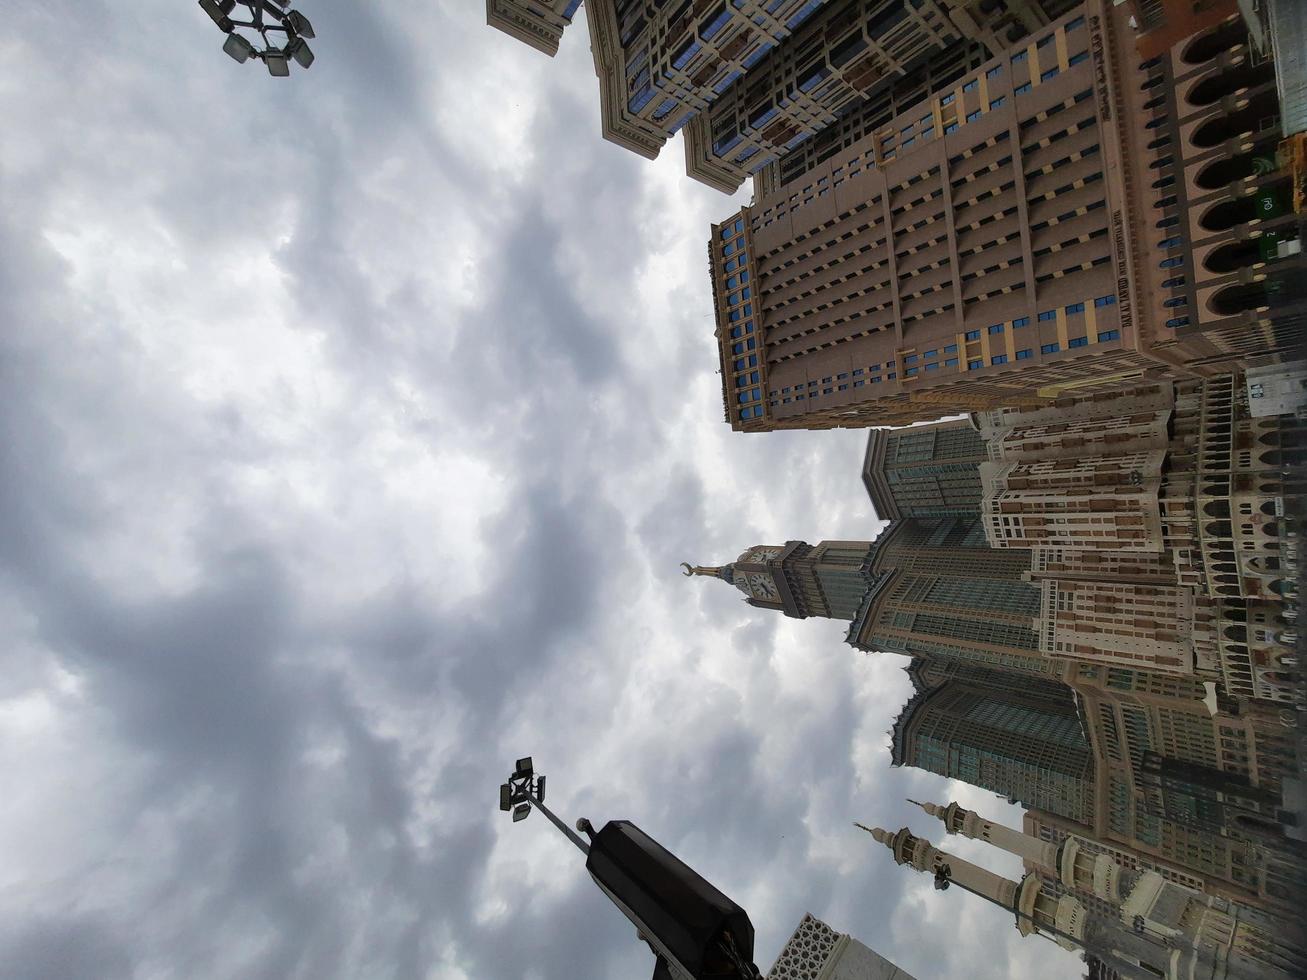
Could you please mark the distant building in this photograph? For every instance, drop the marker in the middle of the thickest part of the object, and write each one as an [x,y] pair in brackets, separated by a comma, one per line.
[539,23]
[1135,922]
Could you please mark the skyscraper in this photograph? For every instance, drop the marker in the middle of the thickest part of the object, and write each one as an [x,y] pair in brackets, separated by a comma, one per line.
[1018,741]
[761,85]
[1060,217]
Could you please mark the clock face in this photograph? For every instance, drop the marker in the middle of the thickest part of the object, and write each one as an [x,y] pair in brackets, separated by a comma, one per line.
[763,554]
[762,586]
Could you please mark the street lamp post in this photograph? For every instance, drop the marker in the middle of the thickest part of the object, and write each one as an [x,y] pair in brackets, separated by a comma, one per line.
[695,931]
[265,17]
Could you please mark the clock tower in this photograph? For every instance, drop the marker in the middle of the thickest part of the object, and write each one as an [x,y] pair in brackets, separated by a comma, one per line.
[799,579]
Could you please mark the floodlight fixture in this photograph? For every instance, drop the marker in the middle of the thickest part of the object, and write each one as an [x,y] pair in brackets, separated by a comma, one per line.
[299,50]
[264,17]
[540,789]
[239,48]
[218,12]
[505,798]
[298,23]
[524,767]
[521,812]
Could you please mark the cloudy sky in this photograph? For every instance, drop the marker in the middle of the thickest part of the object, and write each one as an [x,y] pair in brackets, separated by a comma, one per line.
[353,427]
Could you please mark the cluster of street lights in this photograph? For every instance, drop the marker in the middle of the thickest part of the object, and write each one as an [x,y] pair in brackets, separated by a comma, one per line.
[265,17]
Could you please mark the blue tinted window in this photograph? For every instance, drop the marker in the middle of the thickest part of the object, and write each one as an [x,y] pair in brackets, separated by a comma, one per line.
[1171,263]
[711,26]
[1049,348]
[688,51]
[1076,308]
[1106,300]
[1021,321]
[1051,73]
[1180,321]
[857,371]
[744,275]
[998,359]
[995,328]
[1075,59]
[728,248]
[972,365]
[1078,342]
[973,116]
[1075,22]
[1176,301]
[1021,89]
[1175,283]
[995,103]
[1047,315]
[1109,335]
[736,332]
[910,359]
[952,128]
[745,293]
[972,335]
[951,362]
[910,372]
[994,72]
[950,348]
[1172,242]
[1019,57]
[930,353]
[971,85]
[754,58]
[1024,353]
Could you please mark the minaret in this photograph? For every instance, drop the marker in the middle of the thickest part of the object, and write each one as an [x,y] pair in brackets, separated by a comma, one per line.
[1078,869]
[1061,919]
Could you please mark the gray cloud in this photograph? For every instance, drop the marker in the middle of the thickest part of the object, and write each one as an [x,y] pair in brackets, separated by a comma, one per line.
[348,451]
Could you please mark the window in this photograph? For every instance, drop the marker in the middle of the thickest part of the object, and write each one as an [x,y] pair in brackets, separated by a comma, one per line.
[1109,335]
[933,366]
[1075,308]
[1049,348]
[909,141]
[1051,73]
[1106,300]
[930,353]
[1180,321]
[996,328]
[687,52]
[977,363]
[731,264]
[728,248]
[1079,342]
[857,372]
[998,359]
[1047,315]
[1021,89]
[972,335]
[910,372]
[1024,353]
[714,22]
[1173,242]
[1075,59]
[736,332]
[973,116]
[1175,283]
[744,275]
[1075,22]
[951,362]
[947,100]
[859,384]
[910,359]
[994,72]
[732,299]
[1171,263]
[950,348]
[951,128]
[1176,301]
[995,103]
[745,293]
[1021,321]
[1019,57]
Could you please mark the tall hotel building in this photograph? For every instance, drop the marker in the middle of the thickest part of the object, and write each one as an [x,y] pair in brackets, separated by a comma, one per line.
[1092,206]
[749,81]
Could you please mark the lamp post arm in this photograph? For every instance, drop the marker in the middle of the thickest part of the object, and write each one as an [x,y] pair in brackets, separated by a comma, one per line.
[567,831]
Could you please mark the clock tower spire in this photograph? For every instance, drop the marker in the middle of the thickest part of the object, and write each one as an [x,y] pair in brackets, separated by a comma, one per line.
[798,579]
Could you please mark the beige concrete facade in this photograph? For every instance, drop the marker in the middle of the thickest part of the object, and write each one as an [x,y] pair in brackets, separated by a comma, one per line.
[539,23]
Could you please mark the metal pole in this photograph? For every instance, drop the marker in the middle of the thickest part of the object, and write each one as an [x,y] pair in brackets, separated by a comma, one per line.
[568,832]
